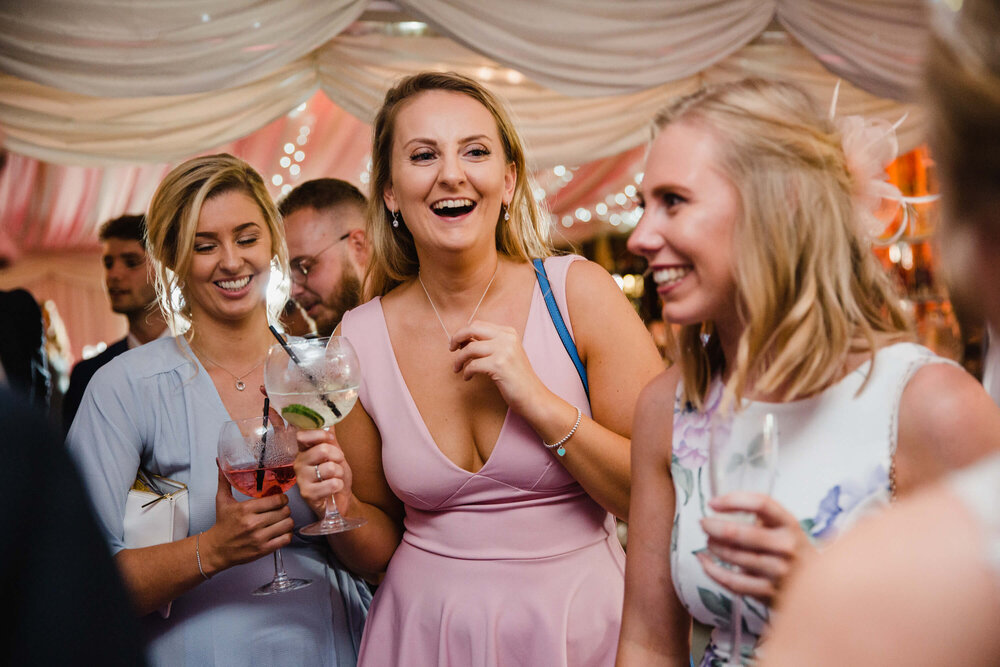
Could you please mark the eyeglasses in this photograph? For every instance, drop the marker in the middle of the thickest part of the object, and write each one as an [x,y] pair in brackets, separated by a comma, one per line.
[301,266]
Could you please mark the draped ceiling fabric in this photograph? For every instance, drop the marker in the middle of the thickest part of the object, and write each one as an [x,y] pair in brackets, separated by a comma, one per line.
[99,99]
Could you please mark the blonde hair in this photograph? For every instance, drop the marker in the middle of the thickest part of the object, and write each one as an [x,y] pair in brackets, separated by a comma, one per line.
[172,222]
[394,258]
[962,84]
[809,289]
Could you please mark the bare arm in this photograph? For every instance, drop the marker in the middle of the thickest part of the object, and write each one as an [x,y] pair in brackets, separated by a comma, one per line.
[621,359]
[946,421]
[352,471]
[655,626]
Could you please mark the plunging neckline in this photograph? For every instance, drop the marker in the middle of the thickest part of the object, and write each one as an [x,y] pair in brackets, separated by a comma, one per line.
[412,404]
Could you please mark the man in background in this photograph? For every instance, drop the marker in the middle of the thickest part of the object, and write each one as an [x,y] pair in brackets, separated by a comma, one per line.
[127,277]
[327,247]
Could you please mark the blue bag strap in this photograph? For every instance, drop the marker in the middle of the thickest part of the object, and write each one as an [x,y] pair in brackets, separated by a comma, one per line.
[557,320]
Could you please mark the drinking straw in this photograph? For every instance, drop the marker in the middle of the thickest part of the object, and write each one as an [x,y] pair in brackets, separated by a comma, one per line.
[263,446]
[291,353]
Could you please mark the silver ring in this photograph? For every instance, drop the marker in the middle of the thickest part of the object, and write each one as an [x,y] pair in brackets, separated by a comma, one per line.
[318,476]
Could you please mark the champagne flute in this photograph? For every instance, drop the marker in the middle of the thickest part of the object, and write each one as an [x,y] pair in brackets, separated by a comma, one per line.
[743,455]
[313,383]
[258,460]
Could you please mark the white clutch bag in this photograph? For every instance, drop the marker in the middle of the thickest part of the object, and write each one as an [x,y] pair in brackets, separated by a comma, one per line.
[156,512]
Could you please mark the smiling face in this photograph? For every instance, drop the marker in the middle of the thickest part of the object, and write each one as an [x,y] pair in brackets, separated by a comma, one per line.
[126,275]
[231,264]
[690,213]
[449,174]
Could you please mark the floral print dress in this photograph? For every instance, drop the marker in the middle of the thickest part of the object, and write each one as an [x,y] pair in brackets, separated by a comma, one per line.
[834,455]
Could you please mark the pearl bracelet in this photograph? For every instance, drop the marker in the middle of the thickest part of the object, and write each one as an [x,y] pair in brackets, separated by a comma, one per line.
[558,446]
[197,555]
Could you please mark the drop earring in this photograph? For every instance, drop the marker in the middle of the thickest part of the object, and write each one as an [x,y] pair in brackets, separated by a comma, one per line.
[506,213]
[395,219]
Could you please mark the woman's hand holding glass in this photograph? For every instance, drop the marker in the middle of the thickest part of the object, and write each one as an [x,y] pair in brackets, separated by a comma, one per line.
[256,458]
[754,543]
[764,552]
[314,383]
[244,530]
[322,470]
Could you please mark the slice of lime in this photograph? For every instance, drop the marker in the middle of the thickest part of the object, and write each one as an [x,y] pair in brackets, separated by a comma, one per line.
[300,416]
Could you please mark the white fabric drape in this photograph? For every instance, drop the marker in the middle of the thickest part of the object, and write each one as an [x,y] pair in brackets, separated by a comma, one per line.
[124,48]
[66,127]
[596,47]
[355,71]
[140,48]
[877,46]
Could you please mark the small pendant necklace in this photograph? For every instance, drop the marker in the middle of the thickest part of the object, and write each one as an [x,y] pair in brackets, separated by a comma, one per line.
[240,384]
[472,316]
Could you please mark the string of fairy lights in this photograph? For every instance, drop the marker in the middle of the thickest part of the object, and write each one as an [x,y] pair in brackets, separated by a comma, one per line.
[293,153]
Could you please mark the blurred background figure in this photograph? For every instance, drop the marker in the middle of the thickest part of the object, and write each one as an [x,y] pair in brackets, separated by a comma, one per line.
[294,320]
[920,585]
[129,281]
[69,607]
[23,362]
[66,603]
[58,356]
[327,247]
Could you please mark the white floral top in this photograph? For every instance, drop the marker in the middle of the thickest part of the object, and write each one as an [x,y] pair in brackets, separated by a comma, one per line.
[834,455]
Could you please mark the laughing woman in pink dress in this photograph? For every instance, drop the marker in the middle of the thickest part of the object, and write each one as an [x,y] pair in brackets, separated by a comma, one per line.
[489,478]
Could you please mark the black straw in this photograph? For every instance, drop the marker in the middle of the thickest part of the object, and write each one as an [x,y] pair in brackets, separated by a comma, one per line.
[263,447]
[291,353]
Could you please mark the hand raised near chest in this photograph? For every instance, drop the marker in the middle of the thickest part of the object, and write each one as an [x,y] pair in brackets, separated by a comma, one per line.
[484,348]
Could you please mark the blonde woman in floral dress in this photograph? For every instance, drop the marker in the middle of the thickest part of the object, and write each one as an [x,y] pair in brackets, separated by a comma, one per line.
[920,585]
[756,239]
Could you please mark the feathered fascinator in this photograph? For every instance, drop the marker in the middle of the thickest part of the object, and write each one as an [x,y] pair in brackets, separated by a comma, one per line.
[870,145]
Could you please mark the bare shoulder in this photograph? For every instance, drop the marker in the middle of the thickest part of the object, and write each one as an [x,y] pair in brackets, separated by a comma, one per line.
[602,314]
[884,586]
[593,296]
[946,415]
[584,276]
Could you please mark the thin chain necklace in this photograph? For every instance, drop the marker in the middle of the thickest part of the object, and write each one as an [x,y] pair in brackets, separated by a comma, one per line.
[240,385]
[472,316]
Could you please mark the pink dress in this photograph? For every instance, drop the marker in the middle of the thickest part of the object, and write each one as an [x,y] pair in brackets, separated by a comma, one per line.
[512,565]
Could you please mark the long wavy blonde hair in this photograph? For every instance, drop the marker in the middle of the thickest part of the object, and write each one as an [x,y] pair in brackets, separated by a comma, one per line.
[172,222]
[394,257]
[809,289]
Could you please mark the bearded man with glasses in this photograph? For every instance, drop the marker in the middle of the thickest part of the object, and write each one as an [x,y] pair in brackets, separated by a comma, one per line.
[327,247]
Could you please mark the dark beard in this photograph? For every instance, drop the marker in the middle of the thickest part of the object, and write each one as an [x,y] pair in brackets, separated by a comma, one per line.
[347,296]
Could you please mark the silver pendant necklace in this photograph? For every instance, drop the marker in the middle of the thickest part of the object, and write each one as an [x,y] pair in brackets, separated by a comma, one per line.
[472,316]
[240,384]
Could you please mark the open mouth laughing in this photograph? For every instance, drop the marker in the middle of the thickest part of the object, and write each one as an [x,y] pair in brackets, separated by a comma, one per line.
[453,208]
